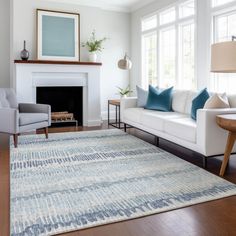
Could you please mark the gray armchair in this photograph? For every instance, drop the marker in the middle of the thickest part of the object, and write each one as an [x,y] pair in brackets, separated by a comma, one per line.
[17,118]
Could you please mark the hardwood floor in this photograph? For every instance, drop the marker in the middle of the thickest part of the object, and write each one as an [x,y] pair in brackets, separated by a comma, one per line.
[212,218]
[4,185]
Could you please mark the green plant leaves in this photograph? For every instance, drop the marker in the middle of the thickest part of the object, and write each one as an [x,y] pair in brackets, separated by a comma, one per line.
[93,44]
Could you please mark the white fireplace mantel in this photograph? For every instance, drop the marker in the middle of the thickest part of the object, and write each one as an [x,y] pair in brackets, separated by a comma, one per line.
[30,75]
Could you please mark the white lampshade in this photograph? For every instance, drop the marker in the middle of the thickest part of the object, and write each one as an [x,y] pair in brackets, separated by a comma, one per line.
[125,64]
[223,57]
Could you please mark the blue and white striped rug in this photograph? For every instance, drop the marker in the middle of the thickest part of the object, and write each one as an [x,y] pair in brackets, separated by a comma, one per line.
[78,180]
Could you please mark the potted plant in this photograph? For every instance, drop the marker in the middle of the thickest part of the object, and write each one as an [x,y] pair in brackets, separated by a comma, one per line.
[93,45]
[124,92]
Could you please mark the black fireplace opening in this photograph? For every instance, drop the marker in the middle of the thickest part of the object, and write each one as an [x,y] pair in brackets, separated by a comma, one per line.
[63,100]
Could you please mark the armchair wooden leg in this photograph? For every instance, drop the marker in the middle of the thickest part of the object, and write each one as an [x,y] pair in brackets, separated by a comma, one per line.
[46,132]
[15,136]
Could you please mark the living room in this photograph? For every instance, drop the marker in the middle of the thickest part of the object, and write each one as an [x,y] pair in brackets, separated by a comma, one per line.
[117,118]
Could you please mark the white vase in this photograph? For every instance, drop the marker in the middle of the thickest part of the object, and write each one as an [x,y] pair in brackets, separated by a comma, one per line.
[93,57]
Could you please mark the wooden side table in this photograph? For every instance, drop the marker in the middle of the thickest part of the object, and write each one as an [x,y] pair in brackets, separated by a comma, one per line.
[227,122]
[116,103]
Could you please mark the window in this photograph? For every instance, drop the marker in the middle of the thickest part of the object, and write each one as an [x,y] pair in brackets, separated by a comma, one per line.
[150,58]
[149,23]
[187,56]
[177,46]
[167,62]
[186,9]
[168,47]
[167,16]
[149,51]
[216,3]
[224,28]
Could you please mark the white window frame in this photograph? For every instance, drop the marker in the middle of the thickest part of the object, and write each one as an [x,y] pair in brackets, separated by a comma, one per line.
[144,82]
[218,11]
[166,10]
[144,69]
[176,24]
[180,51]
[223,6]
[159,72]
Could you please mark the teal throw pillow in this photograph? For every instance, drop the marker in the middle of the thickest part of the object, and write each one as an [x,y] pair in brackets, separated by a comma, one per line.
[160,100]
[199,102]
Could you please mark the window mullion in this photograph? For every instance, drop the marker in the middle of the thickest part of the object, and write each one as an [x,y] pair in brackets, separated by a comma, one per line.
[158,52]
[177,50]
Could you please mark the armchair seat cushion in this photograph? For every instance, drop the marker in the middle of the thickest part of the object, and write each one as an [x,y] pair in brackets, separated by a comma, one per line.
[32,118]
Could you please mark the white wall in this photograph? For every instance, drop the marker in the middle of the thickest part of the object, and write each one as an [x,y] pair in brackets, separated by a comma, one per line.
[4,43]
[203,24]
[114,25]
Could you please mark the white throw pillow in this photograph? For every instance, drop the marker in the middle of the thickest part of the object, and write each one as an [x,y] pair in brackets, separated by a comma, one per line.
[217,102]
[232,100]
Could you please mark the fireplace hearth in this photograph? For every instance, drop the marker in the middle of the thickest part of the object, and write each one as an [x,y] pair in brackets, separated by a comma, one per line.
[66,104]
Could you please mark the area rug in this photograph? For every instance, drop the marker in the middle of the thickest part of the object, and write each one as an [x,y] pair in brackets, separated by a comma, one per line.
[78,180]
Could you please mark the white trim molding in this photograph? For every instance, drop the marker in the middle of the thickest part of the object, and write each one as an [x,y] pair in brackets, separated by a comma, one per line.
[108,5]
[30,76]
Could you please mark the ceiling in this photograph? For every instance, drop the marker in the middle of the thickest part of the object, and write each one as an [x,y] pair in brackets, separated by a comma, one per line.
[115,5]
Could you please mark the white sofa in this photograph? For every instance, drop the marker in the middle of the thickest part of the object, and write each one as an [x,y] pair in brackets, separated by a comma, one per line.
[203,136]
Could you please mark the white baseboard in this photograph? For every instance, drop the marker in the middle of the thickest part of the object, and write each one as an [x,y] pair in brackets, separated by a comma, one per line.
[94,123]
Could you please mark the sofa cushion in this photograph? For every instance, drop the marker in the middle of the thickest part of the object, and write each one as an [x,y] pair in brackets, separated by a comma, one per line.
[156,119]
[142,95]
[199,102]
[188,103]
[217,101]
[179,100]
[232,101]
[159,100]
[133,114]
[32,118]
[183,128]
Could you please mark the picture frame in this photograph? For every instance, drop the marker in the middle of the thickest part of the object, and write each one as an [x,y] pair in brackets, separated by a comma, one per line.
[58,35]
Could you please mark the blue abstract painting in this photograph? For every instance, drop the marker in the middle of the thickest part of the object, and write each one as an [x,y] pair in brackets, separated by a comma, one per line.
[58,36]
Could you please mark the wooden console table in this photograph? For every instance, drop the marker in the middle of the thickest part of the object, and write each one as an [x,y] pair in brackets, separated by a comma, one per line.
[227,122]
[4,185]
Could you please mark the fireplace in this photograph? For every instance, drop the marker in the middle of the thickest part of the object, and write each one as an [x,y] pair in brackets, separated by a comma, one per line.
[66,104]
[33,74]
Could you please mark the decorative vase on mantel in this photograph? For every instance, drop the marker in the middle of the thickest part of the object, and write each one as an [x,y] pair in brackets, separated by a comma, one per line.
[24,53]
[123,96]
[93,57]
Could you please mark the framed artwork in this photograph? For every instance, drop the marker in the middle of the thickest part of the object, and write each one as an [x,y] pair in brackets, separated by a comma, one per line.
[58,36]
